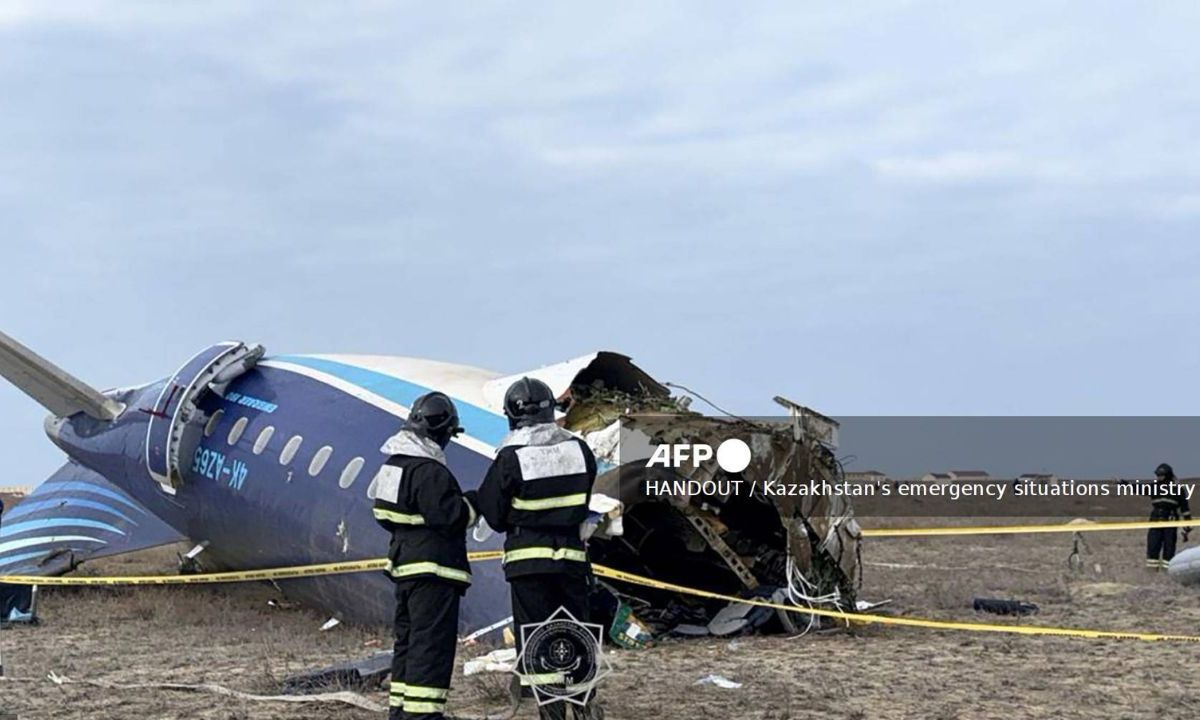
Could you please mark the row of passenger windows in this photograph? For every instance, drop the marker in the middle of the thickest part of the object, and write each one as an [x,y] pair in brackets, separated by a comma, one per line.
[319,459]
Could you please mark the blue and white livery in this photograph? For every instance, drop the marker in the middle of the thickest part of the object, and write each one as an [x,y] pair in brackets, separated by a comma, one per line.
[267,460]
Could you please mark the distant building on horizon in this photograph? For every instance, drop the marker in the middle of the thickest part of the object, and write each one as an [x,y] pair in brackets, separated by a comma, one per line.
[12,495]
[956,476]
[1038,478]
[867,476]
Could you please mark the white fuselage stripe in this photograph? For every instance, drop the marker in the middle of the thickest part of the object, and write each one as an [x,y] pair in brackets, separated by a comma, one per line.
[466,441]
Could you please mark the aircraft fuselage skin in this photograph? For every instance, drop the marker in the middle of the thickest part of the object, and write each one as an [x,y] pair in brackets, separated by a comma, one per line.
[258,503]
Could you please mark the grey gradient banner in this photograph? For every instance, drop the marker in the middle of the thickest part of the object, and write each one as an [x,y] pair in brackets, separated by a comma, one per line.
[953,467]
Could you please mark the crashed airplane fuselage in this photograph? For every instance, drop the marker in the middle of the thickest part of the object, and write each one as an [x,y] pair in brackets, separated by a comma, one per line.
[268,462]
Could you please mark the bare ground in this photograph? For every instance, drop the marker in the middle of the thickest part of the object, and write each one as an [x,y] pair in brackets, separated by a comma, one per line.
[230,636]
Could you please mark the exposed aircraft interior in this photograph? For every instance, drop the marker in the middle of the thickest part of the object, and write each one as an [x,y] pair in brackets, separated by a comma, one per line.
[798,550]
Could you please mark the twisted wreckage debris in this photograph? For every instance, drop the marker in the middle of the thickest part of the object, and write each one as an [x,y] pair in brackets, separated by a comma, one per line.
[790,547]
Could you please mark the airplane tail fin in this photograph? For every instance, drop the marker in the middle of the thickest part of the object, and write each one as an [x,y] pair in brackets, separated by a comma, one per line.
[54,388]
[75,515]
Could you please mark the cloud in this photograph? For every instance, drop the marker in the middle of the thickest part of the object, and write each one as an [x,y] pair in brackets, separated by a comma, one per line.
[802,181]
[1179,206]
[969,167]
[916,91]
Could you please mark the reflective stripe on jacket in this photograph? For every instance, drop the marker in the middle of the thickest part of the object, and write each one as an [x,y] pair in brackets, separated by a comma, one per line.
[419,501]
[537,492]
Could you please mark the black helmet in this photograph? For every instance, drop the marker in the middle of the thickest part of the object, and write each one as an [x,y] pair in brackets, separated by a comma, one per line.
[1164,471]
[528,402]
[434,416]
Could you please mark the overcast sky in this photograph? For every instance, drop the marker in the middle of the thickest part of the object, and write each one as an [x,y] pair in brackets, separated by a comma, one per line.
[894,208]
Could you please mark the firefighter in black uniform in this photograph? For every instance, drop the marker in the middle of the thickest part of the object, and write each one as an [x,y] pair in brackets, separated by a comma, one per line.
[1169,503]
[418,500]
[537,492]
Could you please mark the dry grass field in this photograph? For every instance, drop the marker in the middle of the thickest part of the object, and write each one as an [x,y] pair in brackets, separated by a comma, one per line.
[231,636]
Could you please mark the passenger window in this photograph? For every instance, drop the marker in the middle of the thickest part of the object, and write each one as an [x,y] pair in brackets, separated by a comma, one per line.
[235,432]
[264,437]
[290,450]
[318,462]
[211,427]
[350,473]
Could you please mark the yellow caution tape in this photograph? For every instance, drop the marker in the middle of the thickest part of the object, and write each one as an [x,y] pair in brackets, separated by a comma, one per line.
[1022,529]
[299,571]
[233,576]
[892,620]
[305,571]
